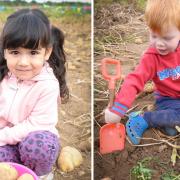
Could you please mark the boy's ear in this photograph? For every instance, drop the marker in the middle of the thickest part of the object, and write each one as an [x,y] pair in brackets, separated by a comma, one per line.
[48,53]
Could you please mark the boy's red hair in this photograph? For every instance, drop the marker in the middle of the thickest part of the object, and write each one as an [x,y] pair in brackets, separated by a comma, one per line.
[161,14]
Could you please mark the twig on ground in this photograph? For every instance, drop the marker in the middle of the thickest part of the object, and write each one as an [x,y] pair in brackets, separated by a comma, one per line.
[97,123]
[98,99]
[76,97]
[131,109]
[160,142]
[174,156]
[99,115]
[143,145]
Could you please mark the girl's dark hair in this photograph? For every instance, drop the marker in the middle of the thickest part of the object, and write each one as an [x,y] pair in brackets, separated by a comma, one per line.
[30,28]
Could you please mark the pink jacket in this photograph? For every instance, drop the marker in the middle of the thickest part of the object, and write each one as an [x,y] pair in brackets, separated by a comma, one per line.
[27,106]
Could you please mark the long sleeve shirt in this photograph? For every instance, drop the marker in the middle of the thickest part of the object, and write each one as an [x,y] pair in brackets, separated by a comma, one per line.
[164,71]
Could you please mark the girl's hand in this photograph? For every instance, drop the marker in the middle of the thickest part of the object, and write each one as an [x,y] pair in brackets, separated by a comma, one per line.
[111,117]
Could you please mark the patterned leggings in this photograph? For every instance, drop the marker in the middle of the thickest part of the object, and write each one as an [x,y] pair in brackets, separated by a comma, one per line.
[38,151]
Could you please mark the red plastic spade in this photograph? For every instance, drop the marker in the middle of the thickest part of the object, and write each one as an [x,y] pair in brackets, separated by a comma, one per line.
[109,77]
[112,136]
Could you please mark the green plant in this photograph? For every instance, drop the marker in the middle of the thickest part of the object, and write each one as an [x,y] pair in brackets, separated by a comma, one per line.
[140,4]
[140,171]
[170,175]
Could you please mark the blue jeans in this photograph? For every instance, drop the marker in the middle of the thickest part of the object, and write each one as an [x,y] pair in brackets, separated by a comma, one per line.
[38,151]
[167,114]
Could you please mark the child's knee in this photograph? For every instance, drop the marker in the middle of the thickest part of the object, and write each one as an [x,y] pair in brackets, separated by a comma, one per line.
[9,154]
[40,146]
[162,118]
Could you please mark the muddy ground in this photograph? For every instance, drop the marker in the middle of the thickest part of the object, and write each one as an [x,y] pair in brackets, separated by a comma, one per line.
[120,33]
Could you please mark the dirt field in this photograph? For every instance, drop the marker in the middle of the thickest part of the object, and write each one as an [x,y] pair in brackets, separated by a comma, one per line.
[120,33]
[75,118]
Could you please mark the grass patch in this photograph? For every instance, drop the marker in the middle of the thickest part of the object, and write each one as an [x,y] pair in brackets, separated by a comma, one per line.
[54,13]
[143,171]
[58,13]
[170,175]
[139,4]
[5,13]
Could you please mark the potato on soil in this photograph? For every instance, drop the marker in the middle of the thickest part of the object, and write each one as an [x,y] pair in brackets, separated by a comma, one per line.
[69,159]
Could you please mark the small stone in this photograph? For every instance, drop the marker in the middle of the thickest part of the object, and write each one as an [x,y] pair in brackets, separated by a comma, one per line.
[150,107]
[71,66]
[138,41]
[85,145]
[81,173]
[106,178]
[63,112]
[77,64]
[162,148]
[149,87]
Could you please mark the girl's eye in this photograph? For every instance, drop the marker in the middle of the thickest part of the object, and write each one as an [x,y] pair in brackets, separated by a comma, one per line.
[34,52]
[14,52]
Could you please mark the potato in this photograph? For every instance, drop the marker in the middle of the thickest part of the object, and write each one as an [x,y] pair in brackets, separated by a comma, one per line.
[85,145]
[8,172]
[106,178]
[26,176]
[150,107]
[149,87]
[69,158]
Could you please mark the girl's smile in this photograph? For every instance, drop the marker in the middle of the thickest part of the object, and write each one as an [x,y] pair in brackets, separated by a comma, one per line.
[26,63]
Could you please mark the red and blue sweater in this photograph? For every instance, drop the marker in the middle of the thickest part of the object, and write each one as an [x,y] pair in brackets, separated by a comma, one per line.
[164,71]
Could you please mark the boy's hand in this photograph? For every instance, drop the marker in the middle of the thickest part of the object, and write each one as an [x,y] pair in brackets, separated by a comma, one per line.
[111,117]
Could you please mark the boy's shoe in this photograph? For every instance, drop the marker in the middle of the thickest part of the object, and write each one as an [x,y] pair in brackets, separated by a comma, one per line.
[135,127]
[49,176]
[169,131]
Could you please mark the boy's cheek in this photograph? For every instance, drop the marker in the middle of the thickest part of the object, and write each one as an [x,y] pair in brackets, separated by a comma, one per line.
[152,43]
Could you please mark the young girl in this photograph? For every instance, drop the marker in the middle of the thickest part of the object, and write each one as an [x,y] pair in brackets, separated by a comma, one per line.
[32,75]
[161,64]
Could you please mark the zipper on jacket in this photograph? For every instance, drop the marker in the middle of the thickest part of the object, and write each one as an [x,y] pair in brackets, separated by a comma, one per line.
[18,81]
